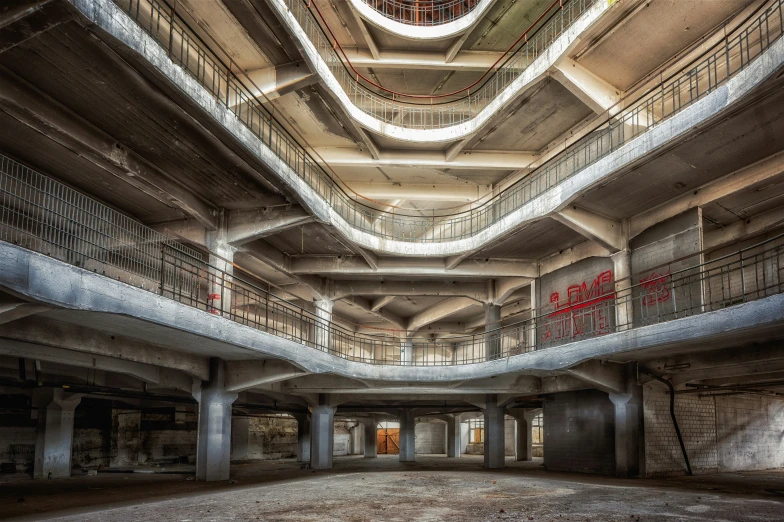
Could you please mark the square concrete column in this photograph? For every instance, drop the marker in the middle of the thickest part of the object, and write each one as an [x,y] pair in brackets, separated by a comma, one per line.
[240,438]
[213,445]
[525,419]
[406,352]
[624,314]
[127,438]
[494,445]
[303,437]
[322,435]
[453,436]
[628,431]
[492,324]
[407,435]
[371,438]
[323,324]
[532,339]
[221,258]
[55,432]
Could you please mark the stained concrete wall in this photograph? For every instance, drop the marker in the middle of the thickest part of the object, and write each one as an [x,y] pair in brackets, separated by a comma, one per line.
[579,434]
[732,433]
[430,437]
[661,253]
[18,431]
[569,298]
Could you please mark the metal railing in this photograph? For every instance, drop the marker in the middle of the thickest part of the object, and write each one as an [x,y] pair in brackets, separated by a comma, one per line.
[435,112]
[423,12]
[46,216]
[716,66]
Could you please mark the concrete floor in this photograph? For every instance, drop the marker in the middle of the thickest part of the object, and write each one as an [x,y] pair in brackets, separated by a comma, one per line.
[433,488]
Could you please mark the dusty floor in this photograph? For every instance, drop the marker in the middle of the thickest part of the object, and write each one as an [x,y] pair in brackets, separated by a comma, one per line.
[434,488]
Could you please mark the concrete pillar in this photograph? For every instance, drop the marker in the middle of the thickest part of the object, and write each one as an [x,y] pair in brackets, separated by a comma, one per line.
[407,435]
[524,446]
[213,446]
[406,351]
[55,432]
[323,323]
[322,435]
[453,436]
[494,445]
[628,431]
[303,437]
[534,311]
[492,322]
[240,438]
[371,438]
[622,265]
[221,258]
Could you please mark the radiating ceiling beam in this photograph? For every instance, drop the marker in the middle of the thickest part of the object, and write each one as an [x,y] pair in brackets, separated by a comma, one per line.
[439,311]
[478,61]
[485,160]
[401,266]
[604,231]
[248,225]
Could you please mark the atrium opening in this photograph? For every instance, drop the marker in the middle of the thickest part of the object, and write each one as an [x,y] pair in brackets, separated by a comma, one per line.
[391,259]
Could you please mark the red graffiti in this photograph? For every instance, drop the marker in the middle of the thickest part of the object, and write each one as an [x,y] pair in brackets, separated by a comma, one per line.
[656,289]
[570,318]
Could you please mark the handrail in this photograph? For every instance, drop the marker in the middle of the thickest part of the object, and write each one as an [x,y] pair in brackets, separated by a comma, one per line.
[43,215]
[503,59]
[423,12]
[712,69]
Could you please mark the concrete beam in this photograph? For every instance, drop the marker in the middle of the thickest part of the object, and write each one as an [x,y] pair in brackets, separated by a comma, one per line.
[245,226]
[570,256]
[607,377]
[415,159]
[244,375]
[742,230]
[12,311]
[367,306]
[478,61]
[162,377]
[465,192]
[503,288]
[596,93]
[604,231]
[381,302]
[21,21]
[731,183]
[55,334]
[430,267]
[341,289]
[273,82]
[30,107]
[438,312]
[370,42]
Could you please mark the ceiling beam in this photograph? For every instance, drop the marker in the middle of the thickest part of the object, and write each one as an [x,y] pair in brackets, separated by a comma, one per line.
[439,311]
[742,230]
[342,289]
[595,92]
[414,267]
[478,61]
[245,226]
[604,231]
[485,160]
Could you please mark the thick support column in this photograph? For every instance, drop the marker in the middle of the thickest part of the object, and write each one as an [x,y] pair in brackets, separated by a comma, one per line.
[371,438]
[323,321]
[492,322]
[55,433]
[524,449]
[534,311]
[303,437]
[494,445]
[628,431]
[221,258]
[453,436]
[322,435]
[127,438]
[407,435]
[406,351]
[240,438]
[213,446]
[622,263]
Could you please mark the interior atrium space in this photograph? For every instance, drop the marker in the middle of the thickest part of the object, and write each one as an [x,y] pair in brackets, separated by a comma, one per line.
[402,260]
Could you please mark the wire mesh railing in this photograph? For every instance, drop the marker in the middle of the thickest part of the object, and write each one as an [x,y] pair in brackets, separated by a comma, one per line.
[715,67]
[43,215]
[423,12]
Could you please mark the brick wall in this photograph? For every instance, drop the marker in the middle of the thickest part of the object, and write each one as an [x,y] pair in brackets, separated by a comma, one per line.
[697,420]
[579,432]
[733,433]
[430,437]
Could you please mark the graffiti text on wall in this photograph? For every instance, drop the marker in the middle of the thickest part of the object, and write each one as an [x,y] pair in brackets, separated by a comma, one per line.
[656,289]
[581,311]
